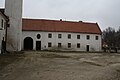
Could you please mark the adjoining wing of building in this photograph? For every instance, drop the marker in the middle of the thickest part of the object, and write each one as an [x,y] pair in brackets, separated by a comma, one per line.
[3,23]
[41,34]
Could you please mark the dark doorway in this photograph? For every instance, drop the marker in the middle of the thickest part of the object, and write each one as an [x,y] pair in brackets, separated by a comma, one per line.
[38,45]
[88,48]
[28,43]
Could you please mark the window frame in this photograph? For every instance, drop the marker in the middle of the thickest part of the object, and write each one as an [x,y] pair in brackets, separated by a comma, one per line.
[78,45]
[38,36]
[96,37]
[69,36]
[78,36]
[59,45]
[50,35]
[59,36]
[49,44]
[88,37]
[69,45]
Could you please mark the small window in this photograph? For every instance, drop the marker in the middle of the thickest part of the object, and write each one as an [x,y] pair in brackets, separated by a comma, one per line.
[49,44]
[38,36]
[96,37]
[2,23]
[59,35]
[88,37]
[78,36]
[69,36]
[69,45]
[59,45]
[78,45]
[49,35]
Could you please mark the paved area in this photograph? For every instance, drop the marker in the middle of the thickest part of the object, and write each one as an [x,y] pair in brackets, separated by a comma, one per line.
[62,66]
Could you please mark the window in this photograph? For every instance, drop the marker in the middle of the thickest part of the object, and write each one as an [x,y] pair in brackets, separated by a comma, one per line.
[78,36]
[59,45]
[69,45]
[59,35]
[96,37]
[88,37]
[78,45]
[49,44]
[69,36]
[38,36]
[2,23]
[49,35]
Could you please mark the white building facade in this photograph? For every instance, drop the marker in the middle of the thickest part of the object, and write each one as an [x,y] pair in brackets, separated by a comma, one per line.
[63,43]
[13,9]
[60,40]
[3,20]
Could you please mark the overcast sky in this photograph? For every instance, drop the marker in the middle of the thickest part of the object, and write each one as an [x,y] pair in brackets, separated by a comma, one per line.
[105,12]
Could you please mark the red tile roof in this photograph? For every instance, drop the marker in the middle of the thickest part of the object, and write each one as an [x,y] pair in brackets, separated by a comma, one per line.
[59,26]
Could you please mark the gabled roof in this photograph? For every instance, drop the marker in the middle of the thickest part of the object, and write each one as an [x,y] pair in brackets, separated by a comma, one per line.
[2,13]
[59,26]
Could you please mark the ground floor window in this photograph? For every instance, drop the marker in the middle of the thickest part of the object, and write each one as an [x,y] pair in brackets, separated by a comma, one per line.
[49,44]
[78,45]
[59,45]
[69,45]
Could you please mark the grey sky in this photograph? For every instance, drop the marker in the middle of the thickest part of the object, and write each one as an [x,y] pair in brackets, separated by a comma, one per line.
[104,12]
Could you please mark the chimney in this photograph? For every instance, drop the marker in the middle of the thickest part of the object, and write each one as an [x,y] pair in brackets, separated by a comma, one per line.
[60,19]
[80,21]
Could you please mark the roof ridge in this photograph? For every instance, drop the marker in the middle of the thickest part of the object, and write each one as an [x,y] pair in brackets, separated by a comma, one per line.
[60,21]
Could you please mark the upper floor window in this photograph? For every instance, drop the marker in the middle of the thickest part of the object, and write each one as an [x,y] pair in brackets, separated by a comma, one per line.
[38,36]
[49,35]
[96,37]
[78,36]
[88,37]
[69,36]
[59,35]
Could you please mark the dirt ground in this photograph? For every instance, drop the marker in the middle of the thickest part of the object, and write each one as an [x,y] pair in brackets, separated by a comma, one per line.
[60,66]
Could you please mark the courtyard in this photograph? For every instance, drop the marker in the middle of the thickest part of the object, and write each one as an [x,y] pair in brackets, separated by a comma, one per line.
[33,65]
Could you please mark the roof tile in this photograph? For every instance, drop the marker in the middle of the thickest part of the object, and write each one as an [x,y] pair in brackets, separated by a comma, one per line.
[59,26]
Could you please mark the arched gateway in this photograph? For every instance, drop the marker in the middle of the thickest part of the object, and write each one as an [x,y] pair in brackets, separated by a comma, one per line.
[28,43]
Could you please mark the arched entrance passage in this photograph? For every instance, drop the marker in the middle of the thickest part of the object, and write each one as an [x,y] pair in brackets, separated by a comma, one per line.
[28,43]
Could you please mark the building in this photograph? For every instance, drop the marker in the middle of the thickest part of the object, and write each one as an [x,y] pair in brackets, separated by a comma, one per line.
[40,34]
[11,30]
[18,34]
[13,9]
[3,24]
